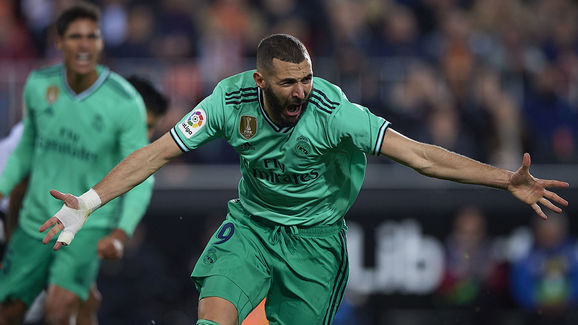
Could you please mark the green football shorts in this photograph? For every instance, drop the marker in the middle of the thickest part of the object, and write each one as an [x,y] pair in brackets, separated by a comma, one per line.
[302,271]
[29,266]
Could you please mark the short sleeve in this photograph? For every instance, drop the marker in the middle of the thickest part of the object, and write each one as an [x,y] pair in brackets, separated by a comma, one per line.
[355,124]
[201,125]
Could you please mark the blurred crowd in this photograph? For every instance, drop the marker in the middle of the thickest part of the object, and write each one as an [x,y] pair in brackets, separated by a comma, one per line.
[540,276]
[486,78]
[534,272]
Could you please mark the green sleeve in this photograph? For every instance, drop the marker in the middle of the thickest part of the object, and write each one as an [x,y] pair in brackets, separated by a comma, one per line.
[203,124]
[132,137]
[356,125]
[20,161]
[132,132]
[135,206]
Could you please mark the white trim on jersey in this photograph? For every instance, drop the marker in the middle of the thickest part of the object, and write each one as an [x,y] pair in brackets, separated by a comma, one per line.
[380,136]
[178,140]
[90,89]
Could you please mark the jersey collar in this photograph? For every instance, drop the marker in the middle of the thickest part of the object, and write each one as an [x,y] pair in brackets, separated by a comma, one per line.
[103,73]
[273,125]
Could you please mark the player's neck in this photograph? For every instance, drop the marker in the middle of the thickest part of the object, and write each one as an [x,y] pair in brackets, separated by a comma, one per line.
[80,82]
[268,112]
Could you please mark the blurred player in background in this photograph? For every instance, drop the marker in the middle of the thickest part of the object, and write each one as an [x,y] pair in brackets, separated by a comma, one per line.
[156,103]
[302,146]
[156,107]
[82,118]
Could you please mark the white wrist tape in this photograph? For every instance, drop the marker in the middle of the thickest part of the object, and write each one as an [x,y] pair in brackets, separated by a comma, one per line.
[90,199]
[73,219]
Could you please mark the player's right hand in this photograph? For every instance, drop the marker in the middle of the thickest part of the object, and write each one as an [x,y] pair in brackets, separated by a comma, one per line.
[532,191]
[69,219]
[111,247]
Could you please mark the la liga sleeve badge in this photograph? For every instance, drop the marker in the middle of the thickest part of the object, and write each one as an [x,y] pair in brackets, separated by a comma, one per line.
[193,123]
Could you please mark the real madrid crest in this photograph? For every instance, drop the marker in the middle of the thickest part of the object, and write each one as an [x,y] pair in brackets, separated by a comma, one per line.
[303,146]
[51,94]
[248,126]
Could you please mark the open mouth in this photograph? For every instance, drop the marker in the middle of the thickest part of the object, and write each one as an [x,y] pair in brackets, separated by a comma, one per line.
[83,58]
[294,110]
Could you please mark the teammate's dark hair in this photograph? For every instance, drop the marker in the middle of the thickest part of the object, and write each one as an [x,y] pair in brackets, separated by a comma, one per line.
[155,102]
[78,11]
[284,47]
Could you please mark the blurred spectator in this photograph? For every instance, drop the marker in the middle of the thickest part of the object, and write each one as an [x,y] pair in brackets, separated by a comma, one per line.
[177,30]
[305,20]
[413,98]
[140,27]
[545,280]
[228,26]
[551,119]
[39,14]
[114,22]
[14,36]
[495,118]
[444,128]
[456,55]
[348,26]
[399,34]
[348,44]
[473,281]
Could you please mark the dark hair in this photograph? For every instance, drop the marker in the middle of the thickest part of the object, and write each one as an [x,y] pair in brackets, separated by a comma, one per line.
[78,11]
[155,102]
[284,47]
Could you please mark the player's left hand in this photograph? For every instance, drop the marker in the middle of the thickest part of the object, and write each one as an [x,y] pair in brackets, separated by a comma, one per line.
[70,209]
[532,191]
[112,246]
[71,217]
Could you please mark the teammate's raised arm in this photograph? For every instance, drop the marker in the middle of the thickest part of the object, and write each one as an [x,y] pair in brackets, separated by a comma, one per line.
[130,172]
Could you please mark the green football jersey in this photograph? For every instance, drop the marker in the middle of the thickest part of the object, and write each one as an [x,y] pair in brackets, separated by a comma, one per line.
[305,175]
[71,141]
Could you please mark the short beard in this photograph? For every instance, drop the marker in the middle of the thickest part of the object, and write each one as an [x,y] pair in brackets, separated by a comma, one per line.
[276,108]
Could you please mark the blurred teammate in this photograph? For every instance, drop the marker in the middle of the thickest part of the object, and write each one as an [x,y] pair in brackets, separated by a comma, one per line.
[81,119]
[302,146]
[156,105]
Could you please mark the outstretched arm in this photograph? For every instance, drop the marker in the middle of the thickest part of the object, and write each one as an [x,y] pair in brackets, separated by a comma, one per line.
[435,161]
[133,170]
